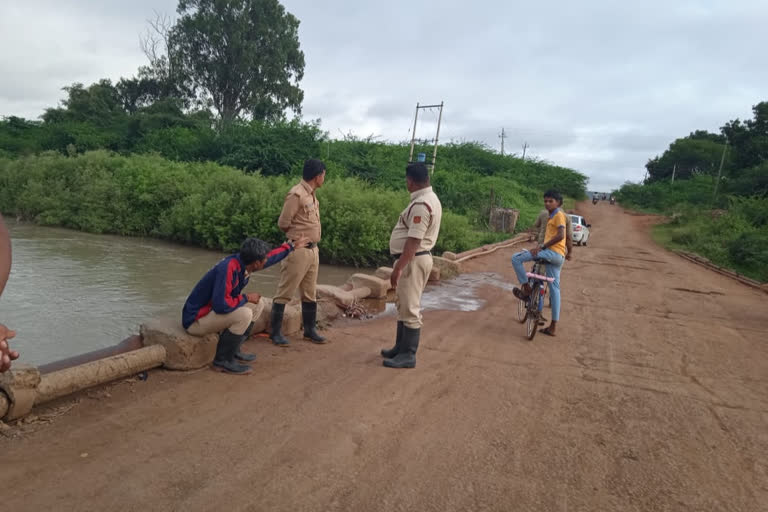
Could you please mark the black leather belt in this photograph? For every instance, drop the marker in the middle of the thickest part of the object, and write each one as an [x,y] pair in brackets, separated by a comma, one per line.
[310,245]
[420,253]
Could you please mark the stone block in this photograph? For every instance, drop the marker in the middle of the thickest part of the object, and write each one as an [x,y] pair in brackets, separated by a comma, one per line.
[448,255]
[261,322]
[378,286]
[383,272]
[327,312]
[183,351]
[341,296]
[448,269]
[292,322]
[20,385]
[434,275]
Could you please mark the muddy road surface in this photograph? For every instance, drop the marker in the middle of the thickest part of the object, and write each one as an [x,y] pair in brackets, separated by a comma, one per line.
[654,397]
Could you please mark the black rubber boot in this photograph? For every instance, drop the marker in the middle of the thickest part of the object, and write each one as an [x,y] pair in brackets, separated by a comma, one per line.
[243,356]
[276,325]
[309,316]
[407,356]
[225,354]
[392,352]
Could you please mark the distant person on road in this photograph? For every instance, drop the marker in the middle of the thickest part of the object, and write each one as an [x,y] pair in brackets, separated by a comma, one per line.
[6,354]
[553,250]
[411,241]
[216,304]
[300,218]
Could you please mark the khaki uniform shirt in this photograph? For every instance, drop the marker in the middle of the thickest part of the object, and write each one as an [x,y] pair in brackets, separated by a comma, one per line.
[301,213]
[421,219]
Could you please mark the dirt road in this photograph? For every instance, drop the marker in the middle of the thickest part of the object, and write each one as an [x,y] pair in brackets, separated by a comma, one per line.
[653,397]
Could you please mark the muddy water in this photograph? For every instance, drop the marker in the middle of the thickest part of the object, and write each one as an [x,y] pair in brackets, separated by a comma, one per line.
[458,294]
[73,292]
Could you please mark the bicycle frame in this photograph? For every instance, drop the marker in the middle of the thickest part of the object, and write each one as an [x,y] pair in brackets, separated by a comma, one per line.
[539,283]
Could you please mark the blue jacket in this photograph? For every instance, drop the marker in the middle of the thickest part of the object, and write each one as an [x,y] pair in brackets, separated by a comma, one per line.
[220,288]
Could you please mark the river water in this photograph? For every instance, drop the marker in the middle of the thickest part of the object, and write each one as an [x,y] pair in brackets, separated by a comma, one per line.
[72,292]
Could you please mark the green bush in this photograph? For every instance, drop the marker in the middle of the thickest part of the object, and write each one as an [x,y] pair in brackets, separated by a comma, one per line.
[750,250]
[207,204]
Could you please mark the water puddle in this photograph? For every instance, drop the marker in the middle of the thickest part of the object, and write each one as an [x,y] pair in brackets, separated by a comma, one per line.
[459,294]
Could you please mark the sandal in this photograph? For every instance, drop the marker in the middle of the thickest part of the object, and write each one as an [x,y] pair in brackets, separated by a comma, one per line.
[522,293]
[547,331]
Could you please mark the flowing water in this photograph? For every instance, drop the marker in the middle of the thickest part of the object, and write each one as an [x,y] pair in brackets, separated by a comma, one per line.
[73,292]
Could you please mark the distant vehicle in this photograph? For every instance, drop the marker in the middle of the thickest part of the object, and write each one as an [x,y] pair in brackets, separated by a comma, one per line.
[595,200]
[580,229]
[613,200]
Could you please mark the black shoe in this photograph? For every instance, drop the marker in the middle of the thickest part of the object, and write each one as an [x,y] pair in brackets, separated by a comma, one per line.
[225,353]
[232,367]
[276,325]
[309,316]
[244,356]
[392,352]
[407,356]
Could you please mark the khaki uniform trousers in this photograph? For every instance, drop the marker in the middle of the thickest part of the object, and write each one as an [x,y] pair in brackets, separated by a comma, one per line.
[237,321]
[299,270]
[411,285]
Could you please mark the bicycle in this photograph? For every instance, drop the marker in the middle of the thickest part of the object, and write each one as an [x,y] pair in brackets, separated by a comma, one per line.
[529,310]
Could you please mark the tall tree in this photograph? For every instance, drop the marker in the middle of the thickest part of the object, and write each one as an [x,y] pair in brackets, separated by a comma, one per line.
[696,154]
[99,104]
[749,139]
[242,55]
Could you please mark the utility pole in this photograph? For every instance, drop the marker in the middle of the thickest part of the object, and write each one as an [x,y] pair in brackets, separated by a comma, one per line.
[502,136]
[525,146]
[422,156]
[719,173]
[674,168]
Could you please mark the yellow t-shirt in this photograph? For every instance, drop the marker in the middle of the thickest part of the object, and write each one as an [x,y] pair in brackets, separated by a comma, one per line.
[554,222]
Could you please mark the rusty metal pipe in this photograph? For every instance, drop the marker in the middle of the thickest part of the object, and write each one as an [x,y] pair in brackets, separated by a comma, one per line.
[70,380]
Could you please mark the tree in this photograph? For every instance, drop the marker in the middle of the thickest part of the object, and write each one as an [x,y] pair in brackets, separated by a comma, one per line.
[749,139]
[689,156]
[163,78]
[98,104]
[242,55]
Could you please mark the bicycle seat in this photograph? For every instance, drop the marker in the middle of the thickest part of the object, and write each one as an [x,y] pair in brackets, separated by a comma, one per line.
[540,260]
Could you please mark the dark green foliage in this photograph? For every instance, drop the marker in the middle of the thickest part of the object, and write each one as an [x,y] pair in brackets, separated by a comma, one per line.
[205,204]
[242,55]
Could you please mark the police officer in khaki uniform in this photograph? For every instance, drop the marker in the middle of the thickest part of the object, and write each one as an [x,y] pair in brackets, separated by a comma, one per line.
[413,238]
[300,218]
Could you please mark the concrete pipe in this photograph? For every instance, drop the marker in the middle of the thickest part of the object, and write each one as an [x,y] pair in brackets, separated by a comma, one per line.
[127,345]
[70,380]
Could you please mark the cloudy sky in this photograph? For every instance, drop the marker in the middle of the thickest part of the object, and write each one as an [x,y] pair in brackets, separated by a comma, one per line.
[599,86]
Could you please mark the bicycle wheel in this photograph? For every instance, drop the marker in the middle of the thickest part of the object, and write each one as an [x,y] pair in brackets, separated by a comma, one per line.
[532,324]
[522,310]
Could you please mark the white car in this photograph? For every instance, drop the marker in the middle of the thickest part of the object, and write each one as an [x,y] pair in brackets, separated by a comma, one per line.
[580,229]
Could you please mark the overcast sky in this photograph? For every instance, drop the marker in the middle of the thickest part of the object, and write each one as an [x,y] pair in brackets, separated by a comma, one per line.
[599,86]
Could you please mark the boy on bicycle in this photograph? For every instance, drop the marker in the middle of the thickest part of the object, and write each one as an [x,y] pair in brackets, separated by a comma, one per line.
[553,250]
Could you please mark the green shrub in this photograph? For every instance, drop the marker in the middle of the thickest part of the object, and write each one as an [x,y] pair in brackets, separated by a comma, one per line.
[209,205]
[750,250]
